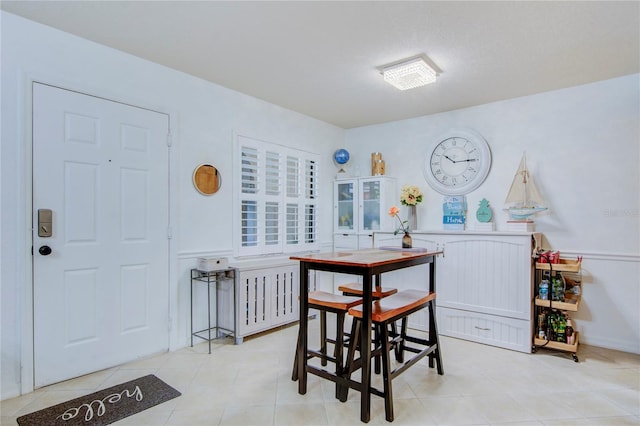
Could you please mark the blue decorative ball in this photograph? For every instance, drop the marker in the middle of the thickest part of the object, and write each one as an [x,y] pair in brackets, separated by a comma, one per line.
[341,156]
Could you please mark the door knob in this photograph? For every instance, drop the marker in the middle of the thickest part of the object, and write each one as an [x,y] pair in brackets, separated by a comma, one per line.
[45,250]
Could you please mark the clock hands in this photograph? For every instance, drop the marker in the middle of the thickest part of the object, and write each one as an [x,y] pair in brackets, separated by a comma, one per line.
[459,161]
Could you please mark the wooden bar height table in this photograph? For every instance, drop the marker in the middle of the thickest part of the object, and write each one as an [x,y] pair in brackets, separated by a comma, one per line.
[367,264]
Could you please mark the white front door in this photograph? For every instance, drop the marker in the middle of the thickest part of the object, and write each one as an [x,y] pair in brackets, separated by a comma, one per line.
[101,296]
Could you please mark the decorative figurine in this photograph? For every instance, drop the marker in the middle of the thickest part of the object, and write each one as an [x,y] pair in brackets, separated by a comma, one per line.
[341,158]
[484,213]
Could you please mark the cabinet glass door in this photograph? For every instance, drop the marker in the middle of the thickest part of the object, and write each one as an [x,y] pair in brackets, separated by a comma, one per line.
[345,200]
[371,205]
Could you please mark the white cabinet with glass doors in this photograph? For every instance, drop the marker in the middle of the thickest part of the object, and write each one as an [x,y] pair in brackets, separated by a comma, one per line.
[361,208]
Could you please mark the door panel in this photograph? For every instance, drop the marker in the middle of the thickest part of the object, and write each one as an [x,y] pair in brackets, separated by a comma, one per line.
[101,296]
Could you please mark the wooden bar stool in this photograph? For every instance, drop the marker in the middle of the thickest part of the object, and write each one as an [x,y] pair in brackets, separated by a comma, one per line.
[339,305]
[355,289]
[384,312]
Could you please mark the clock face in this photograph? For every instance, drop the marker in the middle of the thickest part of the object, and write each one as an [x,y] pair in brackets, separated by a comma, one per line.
[457,163]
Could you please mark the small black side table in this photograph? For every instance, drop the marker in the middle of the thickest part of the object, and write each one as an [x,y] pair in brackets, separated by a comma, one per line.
[215,279]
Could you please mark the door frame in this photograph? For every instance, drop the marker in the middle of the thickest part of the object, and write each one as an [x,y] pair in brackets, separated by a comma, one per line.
[25,266]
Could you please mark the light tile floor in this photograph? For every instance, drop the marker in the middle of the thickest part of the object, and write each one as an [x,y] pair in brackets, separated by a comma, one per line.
[250,384]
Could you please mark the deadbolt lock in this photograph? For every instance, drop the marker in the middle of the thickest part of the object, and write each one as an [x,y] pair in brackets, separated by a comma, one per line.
[45,223]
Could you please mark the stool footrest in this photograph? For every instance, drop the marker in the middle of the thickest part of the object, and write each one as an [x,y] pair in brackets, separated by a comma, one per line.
[420,354]
[311,353]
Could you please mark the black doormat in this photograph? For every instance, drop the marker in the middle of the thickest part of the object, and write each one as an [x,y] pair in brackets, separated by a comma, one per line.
[105,406]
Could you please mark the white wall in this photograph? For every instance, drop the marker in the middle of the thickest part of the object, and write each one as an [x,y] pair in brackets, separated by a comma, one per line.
[583,148]
[204,117]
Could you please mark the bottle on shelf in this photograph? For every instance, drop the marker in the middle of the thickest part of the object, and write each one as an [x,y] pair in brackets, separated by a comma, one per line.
[569,332]
[557,326]
[561,333]
[573,285]
[542,325]
[549,324]
[543,290]
[557,288]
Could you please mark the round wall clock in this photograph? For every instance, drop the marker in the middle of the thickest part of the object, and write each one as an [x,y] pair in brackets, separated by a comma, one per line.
[458,162]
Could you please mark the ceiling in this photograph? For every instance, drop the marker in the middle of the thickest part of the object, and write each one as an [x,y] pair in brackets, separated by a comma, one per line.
[322,58]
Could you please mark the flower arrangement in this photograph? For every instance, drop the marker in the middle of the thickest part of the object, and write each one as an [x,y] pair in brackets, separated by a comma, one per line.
[393,211]
[410,195]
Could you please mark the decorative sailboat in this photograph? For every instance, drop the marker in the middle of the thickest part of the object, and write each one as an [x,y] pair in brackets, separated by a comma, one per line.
[523,199]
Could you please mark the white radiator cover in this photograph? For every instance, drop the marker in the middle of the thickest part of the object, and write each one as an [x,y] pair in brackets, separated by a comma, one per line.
[267,297]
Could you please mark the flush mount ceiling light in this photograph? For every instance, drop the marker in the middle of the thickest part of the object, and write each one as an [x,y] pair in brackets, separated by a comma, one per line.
[409,74]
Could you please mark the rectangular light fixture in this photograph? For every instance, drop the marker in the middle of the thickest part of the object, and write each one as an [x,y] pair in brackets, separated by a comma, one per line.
[409,74]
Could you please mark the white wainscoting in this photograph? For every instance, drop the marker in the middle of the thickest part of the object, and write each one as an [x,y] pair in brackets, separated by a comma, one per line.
[483,283]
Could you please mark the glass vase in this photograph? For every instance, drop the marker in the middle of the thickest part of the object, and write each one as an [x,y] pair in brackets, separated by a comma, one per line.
[412,220]
[406,240]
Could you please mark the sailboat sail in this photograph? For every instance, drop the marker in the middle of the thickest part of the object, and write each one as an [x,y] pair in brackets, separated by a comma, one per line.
[523,199]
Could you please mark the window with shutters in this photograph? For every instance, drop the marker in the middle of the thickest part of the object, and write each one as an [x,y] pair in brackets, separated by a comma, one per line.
[276,198]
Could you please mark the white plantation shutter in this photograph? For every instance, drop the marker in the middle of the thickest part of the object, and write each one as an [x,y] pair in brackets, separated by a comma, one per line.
[310,224]
[272,172]
[310,220]
[293,210]
[310,179]
[293,177]
[292,223]
[249,203]
[249,170]
[272,223]
[249,229]
[276,199]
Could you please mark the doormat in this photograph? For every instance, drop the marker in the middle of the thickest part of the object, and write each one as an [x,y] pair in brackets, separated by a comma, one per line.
[105,406]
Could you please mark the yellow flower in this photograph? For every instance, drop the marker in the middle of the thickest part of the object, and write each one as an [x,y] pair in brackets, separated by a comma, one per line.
[410,195]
